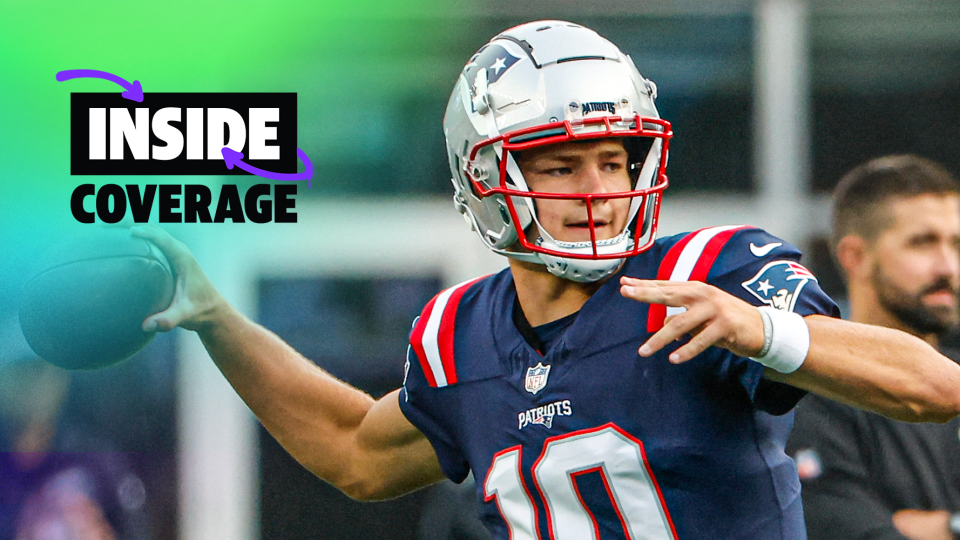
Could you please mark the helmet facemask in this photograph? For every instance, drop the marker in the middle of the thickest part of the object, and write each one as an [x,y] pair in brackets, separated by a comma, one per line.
[646,141]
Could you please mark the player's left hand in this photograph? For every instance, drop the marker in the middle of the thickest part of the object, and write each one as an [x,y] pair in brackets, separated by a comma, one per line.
[712,318]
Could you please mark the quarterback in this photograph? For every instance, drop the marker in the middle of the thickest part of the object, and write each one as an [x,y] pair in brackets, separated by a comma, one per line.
[609,383]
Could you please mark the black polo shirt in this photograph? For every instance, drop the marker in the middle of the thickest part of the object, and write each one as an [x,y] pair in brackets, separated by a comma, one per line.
[857,468]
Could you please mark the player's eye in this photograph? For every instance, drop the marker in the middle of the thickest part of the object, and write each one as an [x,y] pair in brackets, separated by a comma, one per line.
[558,171]
[923,240]
[613,166]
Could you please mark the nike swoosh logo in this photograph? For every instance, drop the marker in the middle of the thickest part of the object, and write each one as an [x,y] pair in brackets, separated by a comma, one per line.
[763,250]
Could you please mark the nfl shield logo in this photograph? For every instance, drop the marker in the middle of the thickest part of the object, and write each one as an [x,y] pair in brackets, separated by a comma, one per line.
[536,378]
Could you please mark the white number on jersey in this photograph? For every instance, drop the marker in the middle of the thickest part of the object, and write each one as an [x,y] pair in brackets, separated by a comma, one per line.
[608,450]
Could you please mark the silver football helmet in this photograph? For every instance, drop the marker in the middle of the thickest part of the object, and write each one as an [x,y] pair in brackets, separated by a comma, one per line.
[547,82]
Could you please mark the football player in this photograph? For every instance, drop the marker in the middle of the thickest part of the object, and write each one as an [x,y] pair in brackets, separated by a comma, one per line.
[607,382]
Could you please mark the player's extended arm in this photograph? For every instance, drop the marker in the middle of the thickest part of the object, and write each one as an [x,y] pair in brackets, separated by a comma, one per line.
[874,368]
[365,448]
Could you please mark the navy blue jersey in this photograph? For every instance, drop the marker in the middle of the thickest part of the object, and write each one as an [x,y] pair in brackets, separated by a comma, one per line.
[592,440]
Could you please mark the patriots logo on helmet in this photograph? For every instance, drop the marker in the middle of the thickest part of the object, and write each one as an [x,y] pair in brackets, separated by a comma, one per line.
[494,58]
[779,283]
[490,63]
[593,106]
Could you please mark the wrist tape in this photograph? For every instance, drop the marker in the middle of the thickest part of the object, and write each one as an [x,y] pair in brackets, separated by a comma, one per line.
[786,340]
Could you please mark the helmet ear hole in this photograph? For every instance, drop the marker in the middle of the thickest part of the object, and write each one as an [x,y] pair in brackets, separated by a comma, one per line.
[505,214]
[475,173]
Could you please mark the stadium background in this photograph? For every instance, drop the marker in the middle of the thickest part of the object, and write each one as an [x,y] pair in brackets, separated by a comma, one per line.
[771,100]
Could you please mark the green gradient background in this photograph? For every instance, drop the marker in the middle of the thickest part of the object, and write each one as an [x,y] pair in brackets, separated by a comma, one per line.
[340,57]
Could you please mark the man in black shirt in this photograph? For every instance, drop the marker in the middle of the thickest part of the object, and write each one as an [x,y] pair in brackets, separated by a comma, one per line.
[897,238]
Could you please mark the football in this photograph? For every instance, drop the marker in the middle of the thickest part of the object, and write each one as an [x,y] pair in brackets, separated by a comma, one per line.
[84,307]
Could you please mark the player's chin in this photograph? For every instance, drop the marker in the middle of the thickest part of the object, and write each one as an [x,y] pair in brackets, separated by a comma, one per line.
[580,236]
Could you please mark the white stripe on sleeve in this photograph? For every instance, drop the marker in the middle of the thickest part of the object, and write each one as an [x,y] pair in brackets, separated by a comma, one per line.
[431,334]
[690,255]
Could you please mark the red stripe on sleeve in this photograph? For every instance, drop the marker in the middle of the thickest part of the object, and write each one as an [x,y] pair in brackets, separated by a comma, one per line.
[658,312]
[416,341]
[710,253]
[445,332]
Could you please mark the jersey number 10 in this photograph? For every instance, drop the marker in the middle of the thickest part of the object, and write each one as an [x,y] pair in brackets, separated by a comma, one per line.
[620,460]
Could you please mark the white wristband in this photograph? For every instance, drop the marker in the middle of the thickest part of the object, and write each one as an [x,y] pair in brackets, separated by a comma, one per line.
[786,340]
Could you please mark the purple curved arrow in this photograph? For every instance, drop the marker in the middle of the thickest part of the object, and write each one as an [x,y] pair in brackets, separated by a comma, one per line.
[231,157]
[133,91]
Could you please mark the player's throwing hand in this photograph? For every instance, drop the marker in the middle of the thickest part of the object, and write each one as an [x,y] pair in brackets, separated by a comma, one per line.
[712,317]
[196,299]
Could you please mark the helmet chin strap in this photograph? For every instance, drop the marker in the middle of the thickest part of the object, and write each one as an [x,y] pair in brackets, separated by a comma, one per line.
[584,270]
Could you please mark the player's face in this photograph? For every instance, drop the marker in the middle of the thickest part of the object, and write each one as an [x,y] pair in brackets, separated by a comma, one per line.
[917,269]
[598,166]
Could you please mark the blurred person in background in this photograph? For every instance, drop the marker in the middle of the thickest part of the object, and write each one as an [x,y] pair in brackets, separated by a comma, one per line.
[896,236]
[58,481]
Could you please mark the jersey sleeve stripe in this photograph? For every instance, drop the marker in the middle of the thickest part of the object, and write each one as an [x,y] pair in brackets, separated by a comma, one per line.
[673,254]
[710,253]
[433,337]
[445,331]
[658,312]
[683,263]
[431,333]
[416,341]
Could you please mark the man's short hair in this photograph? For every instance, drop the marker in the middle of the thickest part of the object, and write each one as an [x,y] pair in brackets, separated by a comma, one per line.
[862,194]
